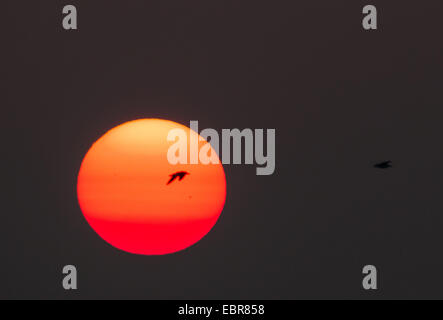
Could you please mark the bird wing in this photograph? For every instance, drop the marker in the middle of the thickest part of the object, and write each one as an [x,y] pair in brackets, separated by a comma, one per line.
[173,176]
[182,175]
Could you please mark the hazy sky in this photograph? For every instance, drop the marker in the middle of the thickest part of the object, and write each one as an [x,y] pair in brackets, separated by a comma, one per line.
[340,99]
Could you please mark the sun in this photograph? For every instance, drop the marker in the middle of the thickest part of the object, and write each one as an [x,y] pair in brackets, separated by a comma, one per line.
[140,203]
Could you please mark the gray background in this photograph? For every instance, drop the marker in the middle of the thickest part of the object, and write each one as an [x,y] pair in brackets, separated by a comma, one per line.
[340,99]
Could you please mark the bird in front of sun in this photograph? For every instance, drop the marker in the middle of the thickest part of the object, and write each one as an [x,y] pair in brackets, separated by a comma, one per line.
[384,165]
[178,175]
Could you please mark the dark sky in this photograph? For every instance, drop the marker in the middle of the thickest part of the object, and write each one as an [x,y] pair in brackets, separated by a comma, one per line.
[339,97]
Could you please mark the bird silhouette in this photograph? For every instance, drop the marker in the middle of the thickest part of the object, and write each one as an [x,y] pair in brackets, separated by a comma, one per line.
[180,175]
[384,165]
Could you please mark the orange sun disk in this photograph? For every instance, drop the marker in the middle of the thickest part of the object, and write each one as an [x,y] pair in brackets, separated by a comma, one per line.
[123,192]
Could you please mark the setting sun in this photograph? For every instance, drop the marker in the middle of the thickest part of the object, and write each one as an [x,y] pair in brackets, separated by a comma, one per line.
[140,203]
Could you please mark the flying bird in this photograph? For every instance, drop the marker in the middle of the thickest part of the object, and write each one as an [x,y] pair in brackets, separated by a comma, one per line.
[384,165]
[180,175]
